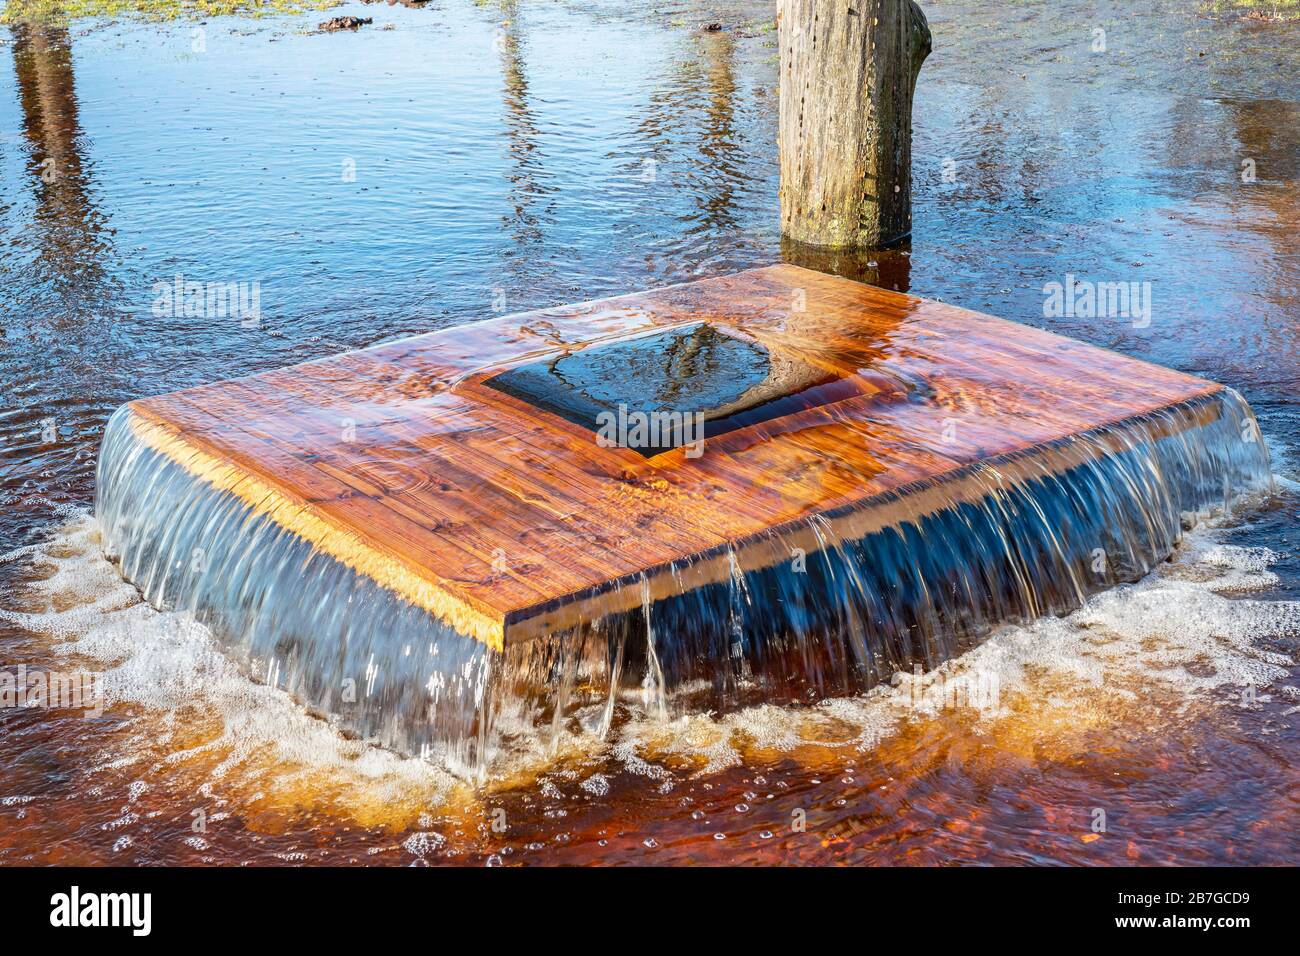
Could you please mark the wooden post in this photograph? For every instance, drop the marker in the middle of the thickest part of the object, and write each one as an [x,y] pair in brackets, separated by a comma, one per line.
[848,69]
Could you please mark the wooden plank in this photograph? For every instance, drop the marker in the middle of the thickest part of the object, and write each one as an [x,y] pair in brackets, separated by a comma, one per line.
[505,519]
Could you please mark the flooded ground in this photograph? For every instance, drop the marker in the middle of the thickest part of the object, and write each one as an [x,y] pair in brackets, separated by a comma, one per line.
[482,158]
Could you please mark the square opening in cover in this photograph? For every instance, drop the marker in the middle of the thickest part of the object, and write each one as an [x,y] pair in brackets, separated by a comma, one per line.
[698,369]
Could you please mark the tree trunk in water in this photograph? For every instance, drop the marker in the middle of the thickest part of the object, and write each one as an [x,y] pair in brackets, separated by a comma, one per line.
[848,69]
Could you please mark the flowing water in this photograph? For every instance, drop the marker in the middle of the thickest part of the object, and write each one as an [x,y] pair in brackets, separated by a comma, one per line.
[485,158]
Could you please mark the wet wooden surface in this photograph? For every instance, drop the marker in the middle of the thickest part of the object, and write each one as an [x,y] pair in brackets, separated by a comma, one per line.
[514,519]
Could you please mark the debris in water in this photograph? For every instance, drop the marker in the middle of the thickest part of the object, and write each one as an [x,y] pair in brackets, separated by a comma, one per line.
[344,23]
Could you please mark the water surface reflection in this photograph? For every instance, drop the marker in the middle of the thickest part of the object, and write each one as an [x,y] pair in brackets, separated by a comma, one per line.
[518,154]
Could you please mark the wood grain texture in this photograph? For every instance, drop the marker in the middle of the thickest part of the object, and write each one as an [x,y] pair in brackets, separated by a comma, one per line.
[505,520]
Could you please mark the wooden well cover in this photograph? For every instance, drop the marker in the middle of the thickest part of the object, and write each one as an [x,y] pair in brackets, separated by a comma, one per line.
[463,469]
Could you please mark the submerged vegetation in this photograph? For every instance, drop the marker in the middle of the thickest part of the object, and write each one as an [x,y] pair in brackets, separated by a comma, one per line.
[57,11]
[1274,10]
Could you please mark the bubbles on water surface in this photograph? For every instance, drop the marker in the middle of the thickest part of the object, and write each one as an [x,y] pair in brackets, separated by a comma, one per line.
[185,712]
[1136,660]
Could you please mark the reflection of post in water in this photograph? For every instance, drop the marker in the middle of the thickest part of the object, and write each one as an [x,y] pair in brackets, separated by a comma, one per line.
[712,167]
[889,268]
[1268,134]
[718,144]
[1249,151]
[526,175]
[67,222]
[1268,178]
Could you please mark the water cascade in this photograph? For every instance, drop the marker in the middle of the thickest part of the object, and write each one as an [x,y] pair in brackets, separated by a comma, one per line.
[829,601]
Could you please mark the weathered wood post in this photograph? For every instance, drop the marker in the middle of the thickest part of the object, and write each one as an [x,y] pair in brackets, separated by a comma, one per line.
[848,69]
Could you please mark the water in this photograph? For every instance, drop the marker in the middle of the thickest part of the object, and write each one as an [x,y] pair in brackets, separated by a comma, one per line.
[514,175]
[912,580]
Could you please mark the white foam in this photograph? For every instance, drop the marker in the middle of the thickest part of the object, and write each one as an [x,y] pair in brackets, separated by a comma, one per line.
[171,667]
[1177,639]
[422,843]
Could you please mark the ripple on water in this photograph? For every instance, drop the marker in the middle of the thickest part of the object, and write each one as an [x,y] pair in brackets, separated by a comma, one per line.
[1137,661]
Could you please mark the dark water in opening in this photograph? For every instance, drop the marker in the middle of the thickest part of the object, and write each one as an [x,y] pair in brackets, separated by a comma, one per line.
[482,159]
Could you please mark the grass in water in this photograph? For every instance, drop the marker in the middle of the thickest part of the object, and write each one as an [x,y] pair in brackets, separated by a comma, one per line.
[1259,9]
[61,11]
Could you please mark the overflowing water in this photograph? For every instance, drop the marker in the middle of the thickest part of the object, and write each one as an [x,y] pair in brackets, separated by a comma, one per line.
[1129,678]
[920,576]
